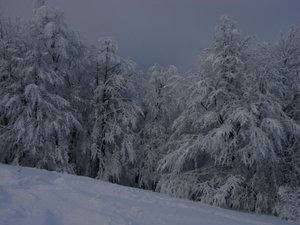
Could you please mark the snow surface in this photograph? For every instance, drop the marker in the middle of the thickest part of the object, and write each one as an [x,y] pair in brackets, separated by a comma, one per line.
[38,197]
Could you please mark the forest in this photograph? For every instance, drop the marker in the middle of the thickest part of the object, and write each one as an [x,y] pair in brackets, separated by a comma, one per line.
[225,133]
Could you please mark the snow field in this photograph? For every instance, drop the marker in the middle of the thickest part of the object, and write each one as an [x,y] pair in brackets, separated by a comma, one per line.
[37,197]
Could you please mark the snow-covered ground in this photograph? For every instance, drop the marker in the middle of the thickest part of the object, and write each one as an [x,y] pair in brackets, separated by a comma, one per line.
[38,197]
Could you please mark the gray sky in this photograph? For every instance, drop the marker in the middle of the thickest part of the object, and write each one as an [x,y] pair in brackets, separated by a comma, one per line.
[166,31]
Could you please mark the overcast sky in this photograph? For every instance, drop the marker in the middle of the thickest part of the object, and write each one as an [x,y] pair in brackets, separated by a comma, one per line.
[166,31]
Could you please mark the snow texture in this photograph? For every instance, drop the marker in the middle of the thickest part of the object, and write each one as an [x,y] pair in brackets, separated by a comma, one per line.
[37,197]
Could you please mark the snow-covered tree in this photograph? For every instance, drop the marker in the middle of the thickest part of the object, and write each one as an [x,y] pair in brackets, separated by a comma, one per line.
[12,49]
[40,119]
[218,88]
[276,78]
[289,206]
[5,67]
[114,113]
[281,63]
[235,136]
[160,107]
[66,57]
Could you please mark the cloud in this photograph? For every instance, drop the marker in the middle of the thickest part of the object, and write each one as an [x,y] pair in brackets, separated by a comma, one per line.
[167,31]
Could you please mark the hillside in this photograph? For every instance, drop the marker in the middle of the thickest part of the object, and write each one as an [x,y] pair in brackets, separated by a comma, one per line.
[37,197]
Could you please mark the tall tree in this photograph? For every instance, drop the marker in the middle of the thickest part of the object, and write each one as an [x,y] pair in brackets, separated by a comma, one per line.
[41,119]
[115,113]
[231,140]
[12,48]
[66,58]
[282,64]
[159,111]
[277,76]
